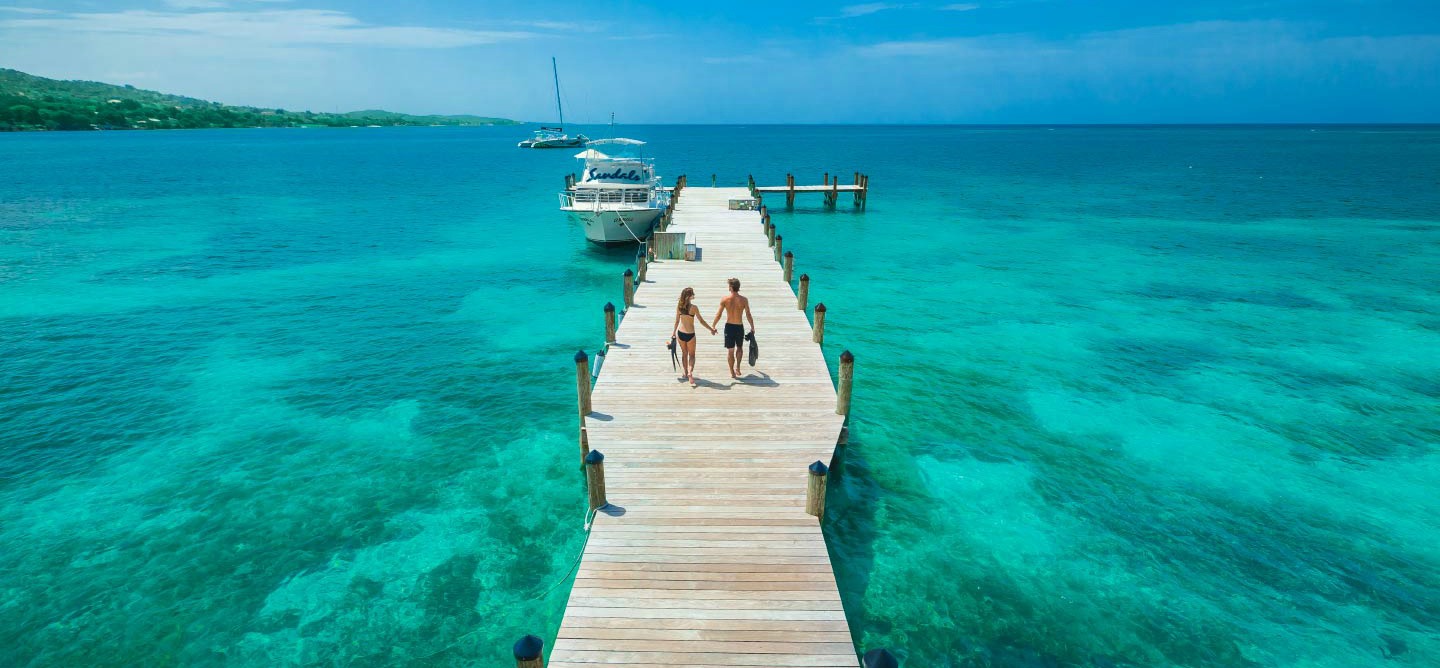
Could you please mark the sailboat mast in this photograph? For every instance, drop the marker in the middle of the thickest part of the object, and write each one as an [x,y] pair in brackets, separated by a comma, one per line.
[556,71]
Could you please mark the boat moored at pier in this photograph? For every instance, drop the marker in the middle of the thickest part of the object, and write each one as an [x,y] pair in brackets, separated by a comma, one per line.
[618,197]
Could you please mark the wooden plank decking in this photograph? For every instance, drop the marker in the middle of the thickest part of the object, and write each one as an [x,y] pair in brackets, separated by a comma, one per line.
[707,557]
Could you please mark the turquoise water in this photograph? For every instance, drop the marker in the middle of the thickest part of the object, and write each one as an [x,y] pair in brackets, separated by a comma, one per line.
[1125,397]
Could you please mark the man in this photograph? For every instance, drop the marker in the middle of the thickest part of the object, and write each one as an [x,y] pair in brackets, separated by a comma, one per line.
[732,306]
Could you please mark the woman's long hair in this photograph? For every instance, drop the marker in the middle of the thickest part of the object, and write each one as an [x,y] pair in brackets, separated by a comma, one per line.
[685,296]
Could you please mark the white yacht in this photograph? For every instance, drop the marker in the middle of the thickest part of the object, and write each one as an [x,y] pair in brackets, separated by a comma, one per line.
[618,197]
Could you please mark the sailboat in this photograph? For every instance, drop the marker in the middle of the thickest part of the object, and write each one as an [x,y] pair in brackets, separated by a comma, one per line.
[548,137]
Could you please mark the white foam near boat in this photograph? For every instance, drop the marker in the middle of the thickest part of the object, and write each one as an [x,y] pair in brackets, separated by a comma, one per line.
[618,198]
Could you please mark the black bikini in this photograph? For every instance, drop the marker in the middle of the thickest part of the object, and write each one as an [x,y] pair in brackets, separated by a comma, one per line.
[686,337]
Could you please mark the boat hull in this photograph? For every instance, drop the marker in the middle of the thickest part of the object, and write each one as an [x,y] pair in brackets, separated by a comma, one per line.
[611,227]
[575,142]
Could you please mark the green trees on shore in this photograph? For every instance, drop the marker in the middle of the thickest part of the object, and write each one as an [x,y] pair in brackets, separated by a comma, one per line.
[35,103]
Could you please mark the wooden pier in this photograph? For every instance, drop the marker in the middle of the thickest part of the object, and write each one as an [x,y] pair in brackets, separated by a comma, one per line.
[703,553]
[832,189]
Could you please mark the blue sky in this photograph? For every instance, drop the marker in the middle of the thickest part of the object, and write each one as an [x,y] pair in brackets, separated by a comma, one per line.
[1000,61]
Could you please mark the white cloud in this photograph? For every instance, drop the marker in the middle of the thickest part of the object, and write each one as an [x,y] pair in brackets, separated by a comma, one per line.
[28,10]
[271,27]
[852,11]
[960,7]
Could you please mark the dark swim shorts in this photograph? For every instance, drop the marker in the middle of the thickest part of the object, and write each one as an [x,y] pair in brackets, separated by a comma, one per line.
[734,335]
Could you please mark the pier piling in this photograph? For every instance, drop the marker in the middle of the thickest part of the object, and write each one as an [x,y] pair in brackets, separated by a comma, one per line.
[847,378]
[818,330]
[584,445]
[815,490]
[582,382]
[529,652]
[779,242]
[789,266]
[802,296]
[629,288]
[595,478]
[609,322]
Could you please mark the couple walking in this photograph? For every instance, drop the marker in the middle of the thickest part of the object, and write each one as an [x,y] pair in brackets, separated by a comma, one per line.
[732,307]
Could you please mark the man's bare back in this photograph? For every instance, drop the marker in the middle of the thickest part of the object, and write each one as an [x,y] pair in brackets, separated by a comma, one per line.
[735,307]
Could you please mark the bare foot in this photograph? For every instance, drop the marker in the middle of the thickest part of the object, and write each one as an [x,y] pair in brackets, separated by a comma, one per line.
[692,381]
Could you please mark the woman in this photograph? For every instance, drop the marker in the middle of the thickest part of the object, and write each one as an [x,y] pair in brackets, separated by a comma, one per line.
[684,330]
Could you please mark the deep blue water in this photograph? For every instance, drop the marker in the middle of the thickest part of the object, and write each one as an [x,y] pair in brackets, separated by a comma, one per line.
[1125,396]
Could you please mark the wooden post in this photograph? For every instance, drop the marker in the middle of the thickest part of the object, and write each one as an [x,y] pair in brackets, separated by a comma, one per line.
[629,288]
[880,658]
[779,242]
[640,266]
[609,322]
[585,445]
[835,192]
[865,193]
[818,331]
[790,194]
[582,382]
[770,235]
[847,378]
[530,652]
[595,479]
[803,296]
[789,266]
[815,491]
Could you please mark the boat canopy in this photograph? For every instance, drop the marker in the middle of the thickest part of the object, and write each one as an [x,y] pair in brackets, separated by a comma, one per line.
[591,154]
[615,140]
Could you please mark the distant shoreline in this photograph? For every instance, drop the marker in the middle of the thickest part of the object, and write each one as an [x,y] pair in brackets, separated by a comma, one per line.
[36,104]
[4,130]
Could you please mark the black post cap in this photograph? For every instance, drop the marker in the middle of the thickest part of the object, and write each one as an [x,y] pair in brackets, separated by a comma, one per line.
[609,308]
[629,272]
[805,278]
[789,254]
[594,457]
[778,237]
[847,357]
[530,647]
[580,356]
[880,658]
[819,468]
[820,308]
